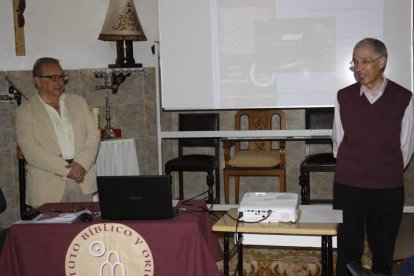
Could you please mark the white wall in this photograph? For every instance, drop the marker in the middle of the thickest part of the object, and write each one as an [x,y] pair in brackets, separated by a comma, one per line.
[69,30]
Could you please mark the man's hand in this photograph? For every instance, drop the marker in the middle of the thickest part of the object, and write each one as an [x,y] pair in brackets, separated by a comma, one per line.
[77,172]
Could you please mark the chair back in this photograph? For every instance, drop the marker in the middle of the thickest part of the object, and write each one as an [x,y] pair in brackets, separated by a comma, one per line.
[260,119]
[318,118]
[198,122]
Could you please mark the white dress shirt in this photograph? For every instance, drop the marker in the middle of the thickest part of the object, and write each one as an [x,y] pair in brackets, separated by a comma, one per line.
[63,128]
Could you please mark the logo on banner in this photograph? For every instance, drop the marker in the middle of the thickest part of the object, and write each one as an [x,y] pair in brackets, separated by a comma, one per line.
[109,249]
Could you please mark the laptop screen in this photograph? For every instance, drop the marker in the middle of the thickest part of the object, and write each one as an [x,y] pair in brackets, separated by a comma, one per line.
[135,197]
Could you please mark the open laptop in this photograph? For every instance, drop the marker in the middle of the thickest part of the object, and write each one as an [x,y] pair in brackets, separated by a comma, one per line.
[135,197]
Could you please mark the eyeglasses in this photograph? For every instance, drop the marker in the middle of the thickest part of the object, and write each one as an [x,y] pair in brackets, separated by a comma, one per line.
[363,62]
[65,78]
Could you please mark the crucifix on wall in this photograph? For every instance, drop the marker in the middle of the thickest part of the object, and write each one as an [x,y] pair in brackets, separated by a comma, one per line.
[18,9]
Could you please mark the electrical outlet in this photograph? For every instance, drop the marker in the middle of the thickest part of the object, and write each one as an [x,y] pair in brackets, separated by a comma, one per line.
[5,96]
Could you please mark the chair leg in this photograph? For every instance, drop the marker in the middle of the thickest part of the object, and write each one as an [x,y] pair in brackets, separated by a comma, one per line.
[210,184]
[180,185]
[307,187]
[171,180]
[304,187]
[226,187]
[282,183]
[217,199]
[22,185]
[236,189]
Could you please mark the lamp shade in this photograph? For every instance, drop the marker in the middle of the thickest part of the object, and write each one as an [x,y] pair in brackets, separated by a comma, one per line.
[122,23]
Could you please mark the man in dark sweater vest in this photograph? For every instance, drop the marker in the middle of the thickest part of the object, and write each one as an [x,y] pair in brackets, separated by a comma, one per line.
[373,141]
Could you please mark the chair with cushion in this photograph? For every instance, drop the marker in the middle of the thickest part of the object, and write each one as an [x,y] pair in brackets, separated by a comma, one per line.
[316,118]
[255,157]
[198,162]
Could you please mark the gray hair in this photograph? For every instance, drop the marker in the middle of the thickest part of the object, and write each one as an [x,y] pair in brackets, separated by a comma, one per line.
[37,67]
[377,45]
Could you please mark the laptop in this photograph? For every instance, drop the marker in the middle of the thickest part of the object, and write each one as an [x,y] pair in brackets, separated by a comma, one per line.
[135,197]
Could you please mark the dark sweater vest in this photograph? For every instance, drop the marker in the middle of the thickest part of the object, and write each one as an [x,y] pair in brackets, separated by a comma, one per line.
[370,153]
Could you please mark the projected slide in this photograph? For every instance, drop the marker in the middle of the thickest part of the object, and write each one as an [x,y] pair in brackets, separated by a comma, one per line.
[266,48]
[232,54]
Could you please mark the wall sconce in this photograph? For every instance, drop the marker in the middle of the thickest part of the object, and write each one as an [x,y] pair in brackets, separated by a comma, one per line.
[109,85]
[112,80]
[122,25]
[14,96]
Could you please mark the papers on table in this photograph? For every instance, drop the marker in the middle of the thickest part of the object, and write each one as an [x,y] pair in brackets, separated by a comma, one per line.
[54,218]
[320,214]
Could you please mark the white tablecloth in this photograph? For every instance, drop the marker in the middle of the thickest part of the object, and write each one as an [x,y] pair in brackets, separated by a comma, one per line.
[117,157]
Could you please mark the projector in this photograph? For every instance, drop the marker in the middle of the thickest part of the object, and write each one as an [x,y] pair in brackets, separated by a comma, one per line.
[268,207]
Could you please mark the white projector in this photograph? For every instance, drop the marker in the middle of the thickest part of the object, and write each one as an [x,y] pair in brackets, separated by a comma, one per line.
[268,207]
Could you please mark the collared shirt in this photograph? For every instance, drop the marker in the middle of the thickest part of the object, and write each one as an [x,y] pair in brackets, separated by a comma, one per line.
[63,128]
[407,127]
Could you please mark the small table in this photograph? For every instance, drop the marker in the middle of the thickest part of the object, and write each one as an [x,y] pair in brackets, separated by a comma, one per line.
[117,157]
[228,225]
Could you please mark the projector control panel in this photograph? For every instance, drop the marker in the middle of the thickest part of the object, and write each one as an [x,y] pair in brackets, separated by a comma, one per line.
[269,207]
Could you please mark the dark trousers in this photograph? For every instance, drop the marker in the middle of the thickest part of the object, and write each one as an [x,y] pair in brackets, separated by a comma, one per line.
[376,213]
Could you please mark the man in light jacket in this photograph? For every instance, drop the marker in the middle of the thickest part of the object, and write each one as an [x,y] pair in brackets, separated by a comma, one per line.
[59,139]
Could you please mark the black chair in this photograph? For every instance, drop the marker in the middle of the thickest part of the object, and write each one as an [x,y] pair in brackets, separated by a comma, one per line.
[3,207]
[316,118]
[198,162]
[22,180]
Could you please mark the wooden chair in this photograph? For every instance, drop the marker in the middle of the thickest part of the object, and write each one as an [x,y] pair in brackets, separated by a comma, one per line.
[198,162]
[255,158]
[316,118]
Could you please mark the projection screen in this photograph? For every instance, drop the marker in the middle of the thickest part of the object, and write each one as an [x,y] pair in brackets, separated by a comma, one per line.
[232,54]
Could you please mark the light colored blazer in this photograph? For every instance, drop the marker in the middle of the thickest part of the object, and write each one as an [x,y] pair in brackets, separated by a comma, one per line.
[46,172]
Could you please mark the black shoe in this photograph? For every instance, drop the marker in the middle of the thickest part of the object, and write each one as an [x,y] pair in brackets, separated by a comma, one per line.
[358,270]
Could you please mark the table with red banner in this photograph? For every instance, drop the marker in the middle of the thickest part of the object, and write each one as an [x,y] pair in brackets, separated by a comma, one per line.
[183,245]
